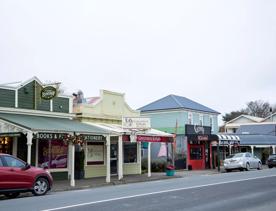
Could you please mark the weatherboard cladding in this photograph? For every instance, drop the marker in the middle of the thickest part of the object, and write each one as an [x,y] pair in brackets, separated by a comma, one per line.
[61,104]
[259,129]
[7,98]
[26,96]
[175,102]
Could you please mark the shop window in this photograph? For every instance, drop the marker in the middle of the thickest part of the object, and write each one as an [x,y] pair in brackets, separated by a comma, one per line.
[196,153]
[130,153]
[95,153]
[211,123]
[190,118]
[52,153]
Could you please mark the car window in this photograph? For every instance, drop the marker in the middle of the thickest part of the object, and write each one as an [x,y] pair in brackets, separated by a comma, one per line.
[1,164]
[13,162]
[248,155]
[239,155]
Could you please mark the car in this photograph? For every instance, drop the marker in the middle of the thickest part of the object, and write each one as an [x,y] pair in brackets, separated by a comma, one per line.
[17,176]
[271,161]
[242,161]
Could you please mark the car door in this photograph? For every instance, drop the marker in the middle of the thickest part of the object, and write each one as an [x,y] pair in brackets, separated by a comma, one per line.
[15,176]
[3,175]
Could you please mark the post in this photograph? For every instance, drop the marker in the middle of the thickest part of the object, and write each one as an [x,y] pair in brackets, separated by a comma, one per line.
[120,158]
[107,159]
[273,149]
[29,146]
[149,160]
[139,157]
[252,150]
[218,155]
[72,179]
[14,146]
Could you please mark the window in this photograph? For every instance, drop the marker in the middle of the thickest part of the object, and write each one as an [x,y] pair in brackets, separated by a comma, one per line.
[1,164]
[95,153]
[130,153]
[190,118]
[52,153]
[196,153]
[13,162]
[201,120]
[211,123]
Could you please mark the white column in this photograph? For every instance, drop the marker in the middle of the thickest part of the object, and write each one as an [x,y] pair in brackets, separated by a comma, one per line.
[16,98]
[149,160]
[36,152]
[72,178]
[14,146]
[120,158]
[108,159]
[252,150]
[29,146]
[230,148]
[139,158]
[273,149]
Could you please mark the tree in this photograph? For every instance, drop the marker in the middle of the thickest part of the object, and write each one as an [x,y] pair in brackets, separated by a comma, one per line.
[233,114]
[259,108]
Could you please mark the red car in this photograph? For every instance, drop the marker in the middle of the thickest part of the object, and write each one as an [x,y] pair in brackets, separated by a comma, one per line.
[17,176]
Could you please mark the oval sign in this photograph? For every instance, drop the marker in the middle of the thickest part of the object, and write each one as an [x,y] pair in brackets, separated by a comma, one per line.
[48,93]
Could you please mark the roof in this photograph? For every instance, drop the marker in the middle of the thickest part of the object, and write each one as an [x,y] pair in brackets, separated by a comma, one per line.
[257,140]
[252,118]
[270,116]
[257,129]
[176,102]
[115,128]
[50,124]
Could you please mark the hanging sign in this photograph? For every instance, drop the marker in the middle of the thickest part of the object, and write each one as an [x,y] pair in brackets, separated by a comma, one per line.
[136,123]
[48,92]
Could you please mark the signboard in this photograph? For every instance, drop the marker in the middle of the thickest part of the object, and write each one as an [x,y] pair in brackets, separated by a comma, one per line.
[93,138]
[136,123]
[50,136]
[48,92]
[197,130]
[154,139]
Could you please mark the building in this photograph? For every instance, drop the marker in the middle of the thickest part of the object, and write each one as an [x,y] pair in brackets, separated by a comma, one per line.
[194,124]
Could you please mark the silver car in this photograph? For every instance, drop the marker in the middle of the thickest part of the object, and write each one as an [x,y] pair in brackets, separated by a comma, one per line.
[242,161]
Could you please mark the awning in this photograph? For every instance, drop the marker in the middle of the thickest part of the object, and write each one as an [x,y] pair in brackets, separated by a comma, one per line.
[228,138]
[50,124]
[151,135]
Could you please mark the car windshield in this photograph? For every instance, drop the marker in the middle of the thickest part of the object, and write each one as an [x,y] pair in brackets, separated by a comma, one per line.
[272,156]
[239,155]
[230,156]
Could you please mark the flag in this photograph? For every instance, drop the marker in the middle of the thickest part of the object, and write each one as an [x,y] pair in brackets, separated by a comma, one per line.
[163,150]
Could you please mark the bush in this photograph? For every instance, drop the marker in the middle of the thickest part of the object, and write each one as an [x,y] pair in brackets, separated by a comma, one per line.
[157,165]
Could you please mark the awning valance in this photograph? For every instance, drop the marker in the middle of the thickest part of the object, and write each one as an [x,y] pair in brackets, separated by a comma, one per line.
[228,138]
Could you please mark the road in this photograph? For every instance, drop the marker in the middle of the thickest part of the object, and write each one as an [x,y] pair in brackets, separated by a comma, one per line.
[253,190]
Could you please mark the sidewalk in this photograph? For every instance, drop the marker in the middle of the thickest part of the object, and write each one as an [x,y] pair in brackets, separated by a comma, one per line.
[63,185]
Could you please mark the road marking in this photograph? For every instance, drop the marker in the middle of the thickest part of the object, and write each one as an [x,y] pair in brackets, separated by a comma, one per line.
[153,193]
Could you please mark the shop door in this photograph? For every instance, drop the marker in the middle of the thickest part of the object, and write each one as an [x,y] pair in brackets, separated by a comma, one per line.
[113,158]
[197,157]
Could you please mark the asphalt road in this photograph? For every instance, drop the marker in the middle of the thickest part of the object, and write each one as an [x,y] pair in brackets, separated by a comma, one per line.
[253,190]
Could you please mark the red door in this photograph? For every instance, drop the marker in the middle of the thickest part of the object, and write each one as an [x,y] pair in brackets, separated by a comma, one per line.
[197,156]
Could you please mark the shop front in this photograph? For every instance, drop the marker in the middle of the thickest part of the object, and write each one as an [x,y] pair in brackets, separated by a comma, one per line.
[200,154]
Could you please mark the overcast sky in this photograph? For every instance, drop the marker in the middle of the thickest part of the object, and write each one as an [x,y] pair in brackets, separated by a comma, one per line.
[221,54]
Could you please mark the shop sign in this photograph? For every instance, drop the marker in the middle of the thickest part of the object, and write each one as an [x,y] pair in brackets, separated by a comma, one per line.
[92,138]
[136,123]
[48,92]
[153,139]
[197,130]
[202,138]
[50,136]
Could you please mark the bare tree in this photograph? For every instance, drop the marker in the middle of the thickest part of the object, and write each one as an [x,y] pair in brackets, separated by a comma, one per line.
[259,108]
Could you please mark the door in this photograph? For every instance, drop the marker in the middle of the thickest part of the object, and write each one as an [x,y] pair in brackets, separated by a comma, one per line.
[113,158]
[12,174]
[197,157]
[207,156]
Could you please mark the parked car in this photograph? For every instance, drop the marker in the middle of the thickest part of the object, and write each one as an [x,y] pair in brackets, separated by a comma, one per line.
[17,176]
[271,161]
[242,161]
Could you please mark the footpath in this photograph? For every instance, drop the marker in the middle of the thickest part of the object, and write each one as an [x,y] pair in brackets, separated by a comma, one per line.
[64,185]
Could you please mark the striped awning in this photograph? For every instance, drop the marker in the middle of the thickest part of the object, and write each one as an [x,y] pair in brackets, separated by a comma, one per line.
[228,139]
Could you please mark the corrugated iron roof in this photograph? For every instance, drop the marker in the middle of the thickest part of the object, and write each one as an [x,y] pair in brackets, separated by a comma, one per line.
[176,102]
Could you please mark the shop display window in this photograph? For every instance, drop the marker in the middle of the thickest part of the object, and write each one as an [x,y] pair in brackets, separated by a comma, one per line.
[95,153]
[130,152]
[52,154]
[196,153]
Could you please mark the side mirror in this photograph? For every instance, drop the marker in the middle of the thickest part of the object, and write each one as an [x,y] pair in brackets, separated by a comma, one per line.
[26,167]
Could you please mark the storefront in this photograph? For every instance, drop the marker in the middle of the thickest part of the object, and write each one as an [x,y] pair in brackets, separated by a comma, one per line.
[200,154]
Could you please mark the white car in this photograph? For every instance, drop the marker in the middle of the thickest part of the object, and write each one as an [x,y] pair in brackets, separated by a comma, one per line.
[242,161]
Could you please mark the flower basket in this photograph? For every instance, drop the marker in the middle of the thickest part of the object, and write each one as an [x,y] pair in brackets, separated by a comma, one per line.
[170,170]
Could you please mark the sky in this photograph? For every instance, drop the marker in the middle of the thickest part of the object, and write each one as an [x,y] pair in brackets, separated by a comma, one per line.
[220,53]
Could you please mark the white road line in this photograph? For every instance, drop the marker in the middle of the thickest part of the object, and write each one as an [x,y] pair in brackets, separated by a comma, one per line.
[152,193]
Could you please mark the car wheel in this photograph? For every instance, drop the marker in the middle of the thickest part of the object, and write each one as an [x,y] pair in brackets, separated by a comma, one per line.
[11,195]
[247,168]
[259,166]
[228,170]
[41,186]
[270,167]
